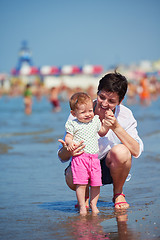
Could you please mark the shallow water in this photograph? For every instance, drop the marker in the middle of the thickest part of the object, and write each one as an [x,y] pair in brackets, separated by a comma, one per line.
[35,202]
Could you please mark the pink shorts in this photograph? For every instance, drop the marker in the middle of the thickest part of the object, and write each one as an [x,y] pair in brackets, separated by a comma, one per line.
[86,167]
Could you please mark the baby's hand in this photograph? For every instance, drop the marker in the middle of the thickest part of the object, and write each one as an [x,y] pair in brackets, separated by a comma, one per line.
[109,113]
[71,146]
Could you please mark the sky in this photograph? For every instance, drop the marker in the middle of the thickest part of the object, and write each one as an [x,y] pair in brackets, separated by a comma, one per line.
[79,32]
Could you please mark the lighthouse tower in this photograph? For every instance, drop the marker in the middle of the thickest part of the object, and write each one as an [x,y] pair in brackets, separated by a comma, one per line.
[25,63]
[25,57]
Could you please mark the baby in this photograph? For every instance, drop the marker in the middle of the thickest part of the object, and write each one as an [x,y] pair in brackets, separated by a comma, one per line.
[85,167]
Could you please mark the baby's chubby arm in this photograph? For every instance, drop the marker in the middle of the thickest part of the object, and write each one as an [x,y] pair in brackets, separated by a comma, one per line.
[69,142]
[104,128]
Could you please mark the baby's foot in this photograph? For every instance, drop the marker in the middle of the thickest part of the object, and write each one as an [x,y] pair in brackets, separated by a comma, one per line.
[94,209]
[83,211]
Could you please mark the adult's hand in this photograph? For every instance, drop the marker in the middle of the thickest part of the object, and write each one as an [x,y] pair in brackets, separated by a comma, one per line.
[110,119]
[63,142]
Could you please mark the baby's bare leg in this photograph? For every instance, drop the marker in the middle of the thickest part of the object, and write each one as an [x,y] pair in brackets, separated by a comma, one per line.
[80,192]
[95,191]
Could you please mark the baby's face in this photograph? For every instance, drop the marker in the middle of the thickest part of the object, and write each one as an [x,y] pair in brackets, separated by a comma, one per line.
[84,112]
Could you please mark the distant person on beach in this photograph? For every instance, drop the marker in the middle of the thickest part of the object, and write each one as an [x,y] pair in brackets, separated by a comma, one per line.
[53,98]
[131,93]
[86,166]
[144,92]
[120,143]
[28,99]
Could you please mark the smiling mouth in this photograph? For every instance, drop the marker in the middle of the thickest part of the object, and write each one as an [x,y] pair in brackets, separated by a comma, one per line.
[105,108]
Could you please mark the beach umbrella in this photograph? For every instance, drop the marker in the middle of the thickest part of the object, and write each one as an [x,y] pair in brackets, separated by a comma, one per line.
[45,70]
[92,69]
[28,70]
[34,71]
[49,70]
[54,70]
[70,70]
[25,70]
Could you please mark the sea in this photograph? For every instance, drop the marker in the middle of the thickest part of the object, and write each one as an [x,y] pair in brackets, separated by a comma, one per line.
[35,202]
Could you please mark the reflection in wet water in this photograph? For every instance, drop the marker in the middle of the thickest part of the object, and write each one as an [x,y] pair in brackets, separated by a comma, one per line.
[85,228]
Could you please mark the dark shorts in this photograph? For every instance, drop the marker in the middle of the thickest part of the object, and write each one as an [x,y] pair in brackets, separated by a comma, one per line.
[106,176]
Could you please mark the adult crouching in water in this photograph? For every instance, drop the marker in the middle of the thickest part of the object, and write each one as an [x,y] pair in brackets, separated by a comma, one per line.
[28,99]
[119,144]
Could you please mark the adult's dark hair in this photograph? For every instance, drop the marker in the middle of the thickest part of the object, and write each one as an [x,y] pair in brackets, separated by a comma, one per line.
[114,82]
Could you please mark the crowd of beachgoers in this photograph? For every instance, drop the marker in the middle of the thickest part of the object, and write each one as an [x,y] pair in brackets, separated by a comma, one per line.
[143,91]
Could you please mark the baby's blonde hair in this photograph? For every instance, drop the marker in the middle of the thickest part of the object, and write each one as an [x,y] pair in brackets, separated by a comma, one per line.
[79,98]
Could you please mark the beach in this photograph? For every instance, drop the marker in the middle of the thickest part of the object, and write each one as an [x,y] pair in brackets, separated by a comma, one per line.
[35,202]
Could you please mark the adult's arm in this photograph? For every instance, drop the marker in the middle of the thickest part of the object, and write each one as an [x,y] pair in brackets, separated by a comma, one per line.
[63,153]
[130,142]
[127,140]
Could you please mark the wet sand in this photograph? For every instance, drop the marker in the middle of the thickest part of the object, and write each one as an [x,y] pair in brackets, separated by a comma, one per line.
[35,202]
